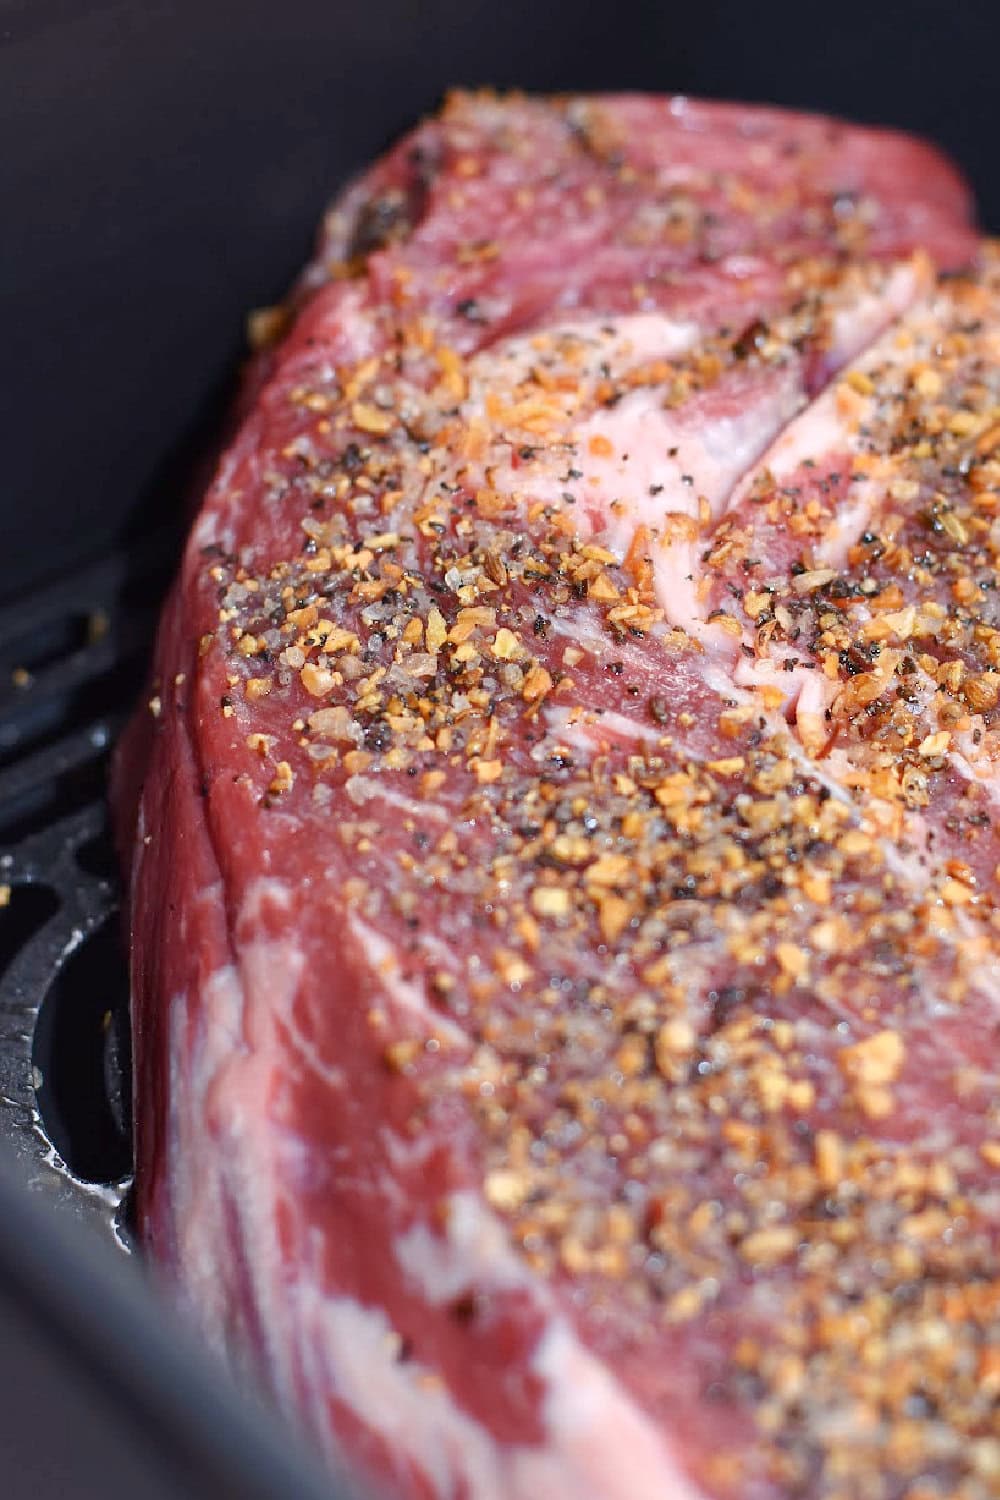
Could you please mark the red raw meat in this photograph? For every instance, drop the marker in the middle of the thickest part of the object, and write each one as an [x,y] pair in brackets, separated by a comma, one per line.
[561,842]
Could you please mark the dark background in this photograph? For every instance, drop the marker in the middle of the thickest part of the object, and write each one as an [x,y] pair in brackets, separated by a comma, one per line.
[162,166]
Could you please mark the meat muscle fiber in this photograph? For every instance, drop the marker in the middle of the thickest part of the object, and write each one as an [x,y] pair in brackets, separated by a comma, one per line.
[562,839]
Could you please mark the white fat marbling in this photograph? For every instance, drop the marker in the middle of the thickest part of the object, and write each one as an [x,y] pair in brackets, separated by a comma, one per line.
[407,996]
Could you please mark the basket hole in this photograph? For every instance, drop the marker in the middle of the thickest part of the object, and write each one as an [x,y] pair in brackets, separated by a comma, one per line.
[82,1060]
[52,641]
[27,909]
[41,805]
[97,856]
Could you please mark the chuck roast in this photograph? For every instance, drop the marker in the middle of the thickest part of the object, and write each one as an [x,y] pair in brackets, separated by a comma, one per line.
[562,832]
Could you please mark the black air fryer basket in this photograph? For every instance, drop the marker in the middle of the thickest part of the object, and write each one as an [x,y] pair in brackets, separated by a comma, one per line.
[162,167]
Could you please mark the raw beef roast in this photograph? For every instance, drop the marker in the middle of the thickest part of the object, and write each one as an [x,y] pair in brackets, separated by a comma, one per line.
[563,833]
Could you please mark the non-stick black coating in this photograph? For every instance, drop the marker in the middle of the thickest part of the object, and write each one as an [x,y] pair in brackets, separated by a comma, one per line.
[163,164]
[103,1400]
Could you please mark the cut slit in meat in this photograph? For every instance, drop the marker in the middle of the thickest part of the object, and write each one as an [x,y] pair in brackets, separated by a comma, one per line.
[562,864]
[670,464]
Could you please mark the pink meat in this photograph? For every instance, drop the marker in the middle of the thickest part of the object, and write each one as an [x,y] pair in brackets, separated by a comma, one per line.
[561,835]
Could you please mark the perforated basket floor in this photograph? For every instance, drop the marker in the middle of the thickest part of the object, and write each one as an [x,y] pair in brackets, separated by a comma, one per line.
[72,658]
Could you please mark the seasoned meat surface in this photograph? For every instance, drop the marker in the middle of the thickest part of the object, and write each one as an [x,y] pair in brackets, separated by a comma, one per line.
[562,831]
